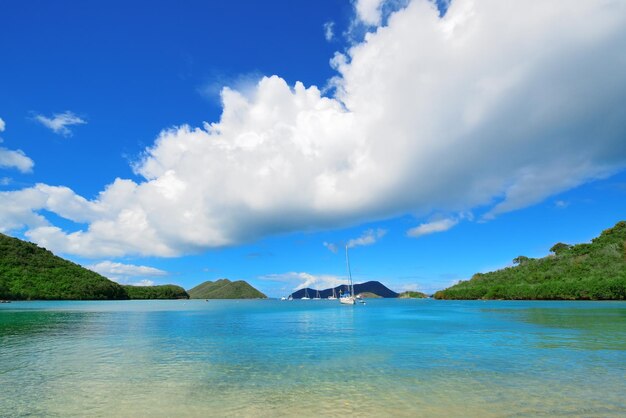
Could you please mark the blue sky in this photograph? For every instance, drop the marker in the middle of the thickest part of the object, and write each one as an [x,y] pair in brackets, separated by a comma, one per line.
[160,143]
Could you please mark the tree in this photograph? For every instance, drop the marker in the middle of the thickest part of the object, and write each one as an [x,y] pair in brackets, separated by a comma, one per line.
[559,248]
[520,259]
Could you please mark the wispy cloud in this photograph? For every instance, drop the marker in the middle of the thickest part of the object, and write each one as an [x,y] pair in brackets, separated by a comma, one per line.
[331,246]
[368,237]
[2,125]
[561,204]
[329,32]
[59,122]
[127,273]
[432,227]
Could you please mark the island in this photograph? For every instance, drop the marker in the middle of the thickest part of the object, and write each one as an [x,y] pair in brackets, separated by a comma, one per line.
[30,272]
[589,271]
[411,294]
[225,289]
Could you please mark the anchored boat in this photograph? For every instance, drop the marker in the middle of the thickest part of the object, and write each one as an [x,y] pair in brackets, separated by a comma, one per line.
[348,298]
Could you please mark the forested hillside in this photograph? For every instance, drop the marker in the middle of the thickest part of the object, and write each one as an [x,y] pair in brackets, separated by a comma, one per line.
[596,270]
[30,272]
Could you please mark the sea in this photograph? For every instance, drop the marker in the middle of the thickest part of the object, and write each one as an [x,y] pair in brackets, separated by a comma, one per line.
[272,358]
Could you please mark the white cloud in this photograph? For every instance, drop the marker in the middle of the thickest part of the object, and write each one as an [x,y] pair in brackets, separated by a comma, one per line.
[5,181]
[127,273]
[329,33]
[432,227]
[142,282]
[496,105]
[18,210]
[369,11]
[15,159]
[59,122]
[368,237]
[300,280]
[370,14]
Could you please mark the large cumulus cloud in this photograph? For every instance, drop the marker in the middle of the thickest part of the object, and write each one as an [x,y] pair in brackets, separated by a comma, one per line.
[497,104]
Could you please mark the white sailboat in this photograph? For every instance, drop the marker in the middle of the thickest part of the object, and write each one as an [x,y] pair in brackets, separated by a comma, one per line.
[334,296]
[348,299]
[306,295]
[317,295]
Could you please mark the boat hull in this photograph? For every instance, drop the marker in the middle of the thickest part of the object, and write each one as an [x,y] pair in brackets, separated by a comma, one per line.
[347,301]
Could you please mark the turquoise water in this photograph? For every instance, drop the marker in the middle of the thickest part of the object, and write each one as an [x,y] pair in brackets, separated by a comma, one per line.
[267,358]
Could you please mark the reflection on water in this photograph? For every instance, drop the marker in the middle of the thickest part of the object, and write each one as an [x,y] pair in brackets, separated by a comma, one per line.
[306,358]
[577,325]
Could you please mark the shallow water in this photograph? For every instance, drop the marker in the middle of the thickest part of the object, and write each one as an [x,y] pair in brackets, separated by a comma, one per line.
[312,358]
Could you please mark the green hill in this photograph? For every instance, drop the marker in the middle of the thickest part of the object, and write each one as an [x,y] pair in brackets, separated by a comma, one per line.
[165,291]
[225,289]
[29,272]
[593,271]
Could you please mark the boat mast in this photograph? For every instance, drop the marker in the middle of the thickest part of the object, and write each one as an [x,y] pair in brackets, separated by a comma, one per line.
[349,273]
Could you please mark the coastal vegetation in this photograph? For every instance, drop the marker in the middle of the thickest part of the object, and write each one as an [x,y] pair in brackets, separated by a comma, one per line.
[165,291]
[29,272]
[225,289]
[590,271]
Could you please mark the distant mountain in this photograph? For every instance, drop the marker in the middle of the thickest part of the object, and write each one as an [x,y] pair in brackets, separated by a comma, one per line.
[374,287]
[225,289]
[29,272]
[594,271]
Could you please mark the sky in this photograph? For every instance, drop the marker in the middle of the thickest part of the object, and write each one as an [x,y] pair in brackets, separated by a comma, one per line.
[160,142]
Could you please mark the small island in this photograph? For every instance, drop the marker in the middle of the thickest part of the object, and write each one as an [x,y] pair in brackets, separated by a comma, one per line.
[592,271]
[411,294]
[225,289]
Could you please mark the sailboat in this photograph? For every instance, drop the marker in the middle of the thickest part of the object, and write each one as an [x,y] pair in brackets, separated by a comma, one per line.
[348,298]
[317,295]
[306,295]
[334,296]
